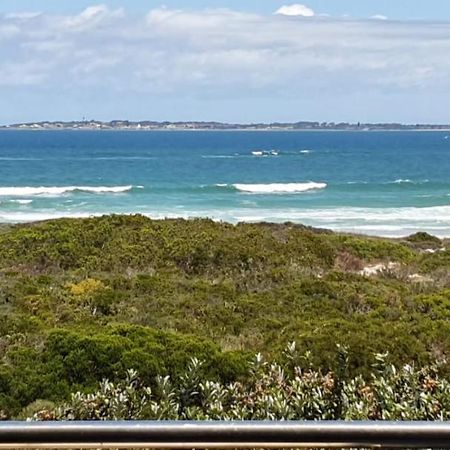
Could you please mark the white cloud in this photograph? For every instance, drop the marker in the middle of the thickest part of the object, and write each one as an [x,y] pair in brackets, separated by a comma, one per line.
[222,52]
[295,10]
[161,14]
[22,15]
[27,73]
[379,17]
[91,17]
[8,31]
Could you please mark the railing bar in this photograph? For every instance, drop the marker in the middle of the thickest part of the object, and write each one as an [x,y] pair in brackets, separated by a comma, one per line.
[225,435]
[188,445]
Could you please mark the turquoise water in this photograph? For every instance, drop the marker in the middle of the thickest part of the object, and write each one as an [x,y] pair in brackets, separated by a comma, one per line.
[384,183]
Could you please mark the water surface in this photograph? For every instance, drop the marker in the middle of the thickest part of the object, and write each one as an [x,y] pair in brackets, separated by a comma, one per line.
[384,183]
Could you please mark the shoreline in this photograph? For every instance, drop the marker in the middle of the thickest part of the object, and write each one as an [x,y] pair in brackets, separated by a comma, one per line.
[227,130]
[5,225]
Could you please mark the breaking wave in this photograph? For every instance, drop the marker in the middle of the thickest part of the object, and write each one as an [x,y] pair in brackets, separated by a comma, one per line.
[407,181]
[389,222]
[279,188]
[60,190]
[22,201]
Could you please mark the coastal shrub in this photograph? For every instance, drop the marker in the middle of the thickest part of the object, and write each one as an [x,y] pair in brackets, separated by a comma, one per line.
[289,390]
[436,306]
[86,287]
[435,261]
[81,358]
[110,242]
[86,299]
[348,262]
[424,240]
[35,408]
[373,249]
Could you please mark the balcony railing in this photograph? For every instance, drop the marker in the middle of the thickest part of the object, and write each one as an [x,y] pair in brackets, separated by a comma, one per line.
[217,434]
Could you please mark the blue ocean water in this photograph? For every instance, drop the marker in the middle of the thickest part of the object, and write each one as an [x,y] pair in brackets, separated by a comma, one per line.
[383,183]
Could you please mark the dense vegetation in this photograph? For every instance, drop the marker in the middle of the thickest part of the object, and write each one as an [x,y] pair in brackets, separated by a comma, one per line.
[290,390]
[82,300]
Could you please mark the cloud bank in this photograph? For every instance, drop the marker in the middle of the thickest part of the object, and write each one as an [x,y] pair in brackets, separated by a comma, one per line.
[221,54]
[295,10]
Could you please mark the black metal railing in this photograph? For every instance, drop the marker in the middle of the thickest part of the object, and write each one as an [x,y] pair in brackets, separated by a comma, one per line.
[218,434]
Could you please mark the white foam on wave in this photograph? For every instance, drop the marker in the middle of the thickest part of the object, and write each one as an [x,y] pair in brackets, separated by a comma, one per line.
[22,217]
[305,152]
[22,201]
[279,188]
[388,222]
[377,221]
[401,181]
[60,190]
[407,181]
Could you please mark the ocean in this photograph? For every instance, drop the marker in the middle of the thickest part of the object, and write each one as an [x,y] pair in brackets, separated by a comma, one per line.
[380,183]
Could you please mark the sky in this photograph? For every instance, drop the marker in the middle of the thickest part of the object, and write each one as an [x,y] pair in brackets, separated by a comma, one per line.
[233,61]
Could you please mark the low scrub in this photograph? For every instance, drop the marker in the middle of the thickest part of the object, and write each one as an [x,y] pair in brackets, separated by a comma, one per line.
[291,390]
[86,299]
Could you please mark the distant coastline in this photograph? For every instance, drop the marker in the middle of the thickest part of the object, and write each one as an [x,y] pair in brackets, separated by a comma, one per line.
[125,125]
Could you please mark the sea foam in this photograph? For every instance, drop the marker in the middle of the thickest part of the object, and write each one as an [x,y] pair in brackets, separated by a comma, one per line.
[22,201]
[279,188]
[408,181]
[60,190]
[389,222]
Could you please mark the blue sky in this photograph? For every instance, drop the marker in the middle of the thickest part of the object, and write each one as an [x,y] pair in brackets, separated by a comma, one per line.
[394,9]
[259,60]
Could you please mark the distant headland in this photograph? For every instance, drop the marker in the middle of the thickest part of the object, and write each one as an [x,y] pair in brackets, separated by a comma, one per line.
[195,125]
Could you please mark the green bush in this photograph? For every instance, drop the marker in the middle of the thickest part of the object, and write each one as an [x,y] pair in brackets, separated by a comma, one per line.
[291,390]
[85,299]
